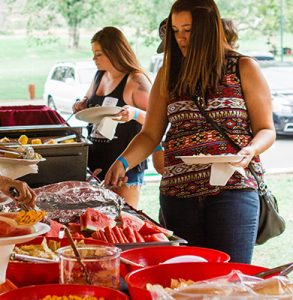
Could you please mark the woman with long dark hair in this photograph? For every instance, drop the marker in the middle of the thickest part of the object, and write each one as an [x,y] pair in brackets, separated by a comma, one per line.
[201,70]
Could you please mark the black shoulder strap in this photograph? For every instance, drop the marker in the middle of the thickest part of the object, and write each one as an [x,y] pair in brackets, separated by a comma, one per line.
[195,99]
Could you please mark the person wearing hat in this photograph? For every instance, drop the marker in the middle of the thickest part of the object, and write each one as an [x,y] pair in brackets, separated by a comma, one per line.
[162,33]
[201,72]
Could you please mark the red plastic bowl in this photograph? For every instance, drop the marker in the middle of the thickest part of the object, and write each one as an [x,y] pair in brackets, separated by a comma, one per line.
[151,256]
[29,273]
[162,274]
[38,292]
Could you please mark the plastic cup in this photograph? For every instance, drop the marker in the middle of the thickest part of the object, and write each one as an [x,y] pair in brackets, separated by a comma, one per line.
[102,264]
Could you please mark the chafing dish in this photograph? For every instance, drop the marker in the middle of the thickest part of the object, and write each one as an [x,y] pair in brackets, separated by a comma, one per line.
[64,161]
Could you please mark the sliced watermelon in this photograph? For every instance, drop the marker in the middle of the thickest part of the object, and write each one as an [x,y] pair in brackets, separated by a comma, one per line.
[55,229]
[167,232]
[74,227]
[129,233]
[156,237]
[131,220]
[92,220]
[8,231]
[138,236]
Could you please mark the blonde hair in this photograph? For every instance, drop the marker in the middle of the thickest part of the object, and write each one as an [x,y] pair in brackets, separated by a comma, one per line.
[204,62]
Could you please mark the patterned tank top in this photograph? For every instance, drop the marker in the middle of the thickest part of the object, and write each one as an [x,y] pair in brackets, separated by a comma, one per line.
[190,134]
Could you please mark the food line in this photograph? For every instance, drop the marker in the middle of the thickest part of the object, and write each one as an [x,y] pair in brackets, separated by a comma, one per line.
[94,214]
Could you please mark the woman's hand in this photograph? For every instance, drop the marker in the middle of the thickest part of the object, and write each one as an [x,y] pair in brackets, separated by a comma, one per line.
[19,191]
[126,114]
[115,175]
[248,152]
[80,105]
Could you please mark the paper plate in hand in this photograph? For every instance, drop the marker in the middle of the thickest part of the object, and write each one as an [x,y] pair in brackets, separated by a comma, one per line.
[209,159]
[20,161]
[96,114]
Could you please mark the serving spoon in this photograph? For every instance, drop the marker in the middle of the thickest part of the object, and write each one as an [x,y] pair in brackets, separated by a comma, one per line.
[283,269]
[77,255]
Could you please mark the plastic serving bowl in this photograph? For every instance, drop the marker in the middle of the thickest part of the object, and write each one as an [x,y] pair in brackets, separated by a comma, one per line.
[151,256]
[162,274]
[38,292]
[28,273]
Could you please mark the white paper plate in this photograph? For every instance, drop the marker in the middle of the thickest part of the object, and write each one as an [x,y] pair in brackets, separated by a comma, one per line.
[209,159]
[96,114]
[184,258]
[20,161]
[40,228]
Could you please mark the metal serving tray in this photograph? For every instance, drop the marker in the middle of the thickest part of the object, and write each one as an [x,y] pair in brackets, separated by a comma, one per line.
[64,161]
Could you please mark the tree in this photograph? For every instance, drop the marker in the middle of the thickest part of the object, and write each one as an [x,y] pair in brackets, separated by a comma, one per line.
[254,17]
[74,12]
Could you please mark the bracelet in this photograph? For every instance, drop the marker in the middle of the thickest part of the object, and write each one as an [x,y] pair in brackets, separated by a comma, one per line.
[124,162]
[136,114]
[158,148]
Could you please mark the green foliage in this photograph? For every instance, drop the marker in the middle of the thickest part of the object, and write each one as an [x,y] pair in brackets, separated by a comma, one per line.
[141,17]
[253,17]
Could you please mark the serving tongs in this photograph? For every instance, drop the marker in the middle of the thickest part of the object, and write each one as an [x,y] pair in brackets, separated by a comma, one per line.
[100,183]
[23,152]
[29,258]
[283,269]
[64,138]
[77,255]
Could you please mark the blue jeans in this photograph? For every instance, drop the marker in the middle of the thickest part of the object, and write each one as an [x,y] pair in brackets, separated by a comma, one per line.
[227,221]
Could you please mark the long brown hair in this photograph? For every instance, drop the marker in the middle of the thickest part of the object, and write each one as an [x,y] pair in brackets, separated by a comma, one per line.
[116,47]
[204,63]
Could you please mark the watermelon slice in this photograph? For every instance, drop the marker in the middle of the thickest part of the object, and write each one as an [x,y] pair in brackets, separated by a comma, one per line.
[156,237]
[6,230]
[131,220]
[167,232]
[93,220]
[55,228]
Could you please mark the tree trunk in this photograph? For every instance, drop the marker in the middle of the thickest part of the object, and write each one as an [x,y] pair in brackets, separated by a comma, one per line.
[74,37]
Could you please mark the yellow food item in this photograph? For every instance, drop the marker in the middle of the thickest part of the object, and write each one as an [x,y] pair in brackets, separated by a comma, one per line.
[68,141]
[29,217]
[5,140]
[36,141]
[23,139]
[51,141]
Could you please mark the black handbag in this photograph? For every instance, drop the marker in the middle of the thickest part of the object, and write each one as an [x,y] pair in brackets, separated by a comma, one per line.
[271,223]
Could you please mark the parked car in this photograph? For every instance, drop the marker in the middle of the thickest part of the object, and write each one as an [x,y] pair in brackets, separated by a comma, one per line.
[155,65]
[68,82]
[261,56]
[279,77]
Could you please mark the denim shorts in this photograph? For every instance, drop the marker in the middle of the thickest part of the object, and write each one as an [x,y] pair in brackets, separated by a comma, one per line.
[135,177]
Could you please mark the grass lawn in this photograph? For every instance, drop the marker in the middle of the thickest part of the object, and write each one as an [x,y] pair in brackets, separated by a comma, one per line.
[275,252]
[22,63]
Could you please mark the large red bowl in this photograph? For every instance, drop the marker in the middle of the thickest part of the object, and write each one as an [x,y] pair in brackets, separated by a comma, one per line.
[162,274]
[38,292]
[29,273]
[151,256]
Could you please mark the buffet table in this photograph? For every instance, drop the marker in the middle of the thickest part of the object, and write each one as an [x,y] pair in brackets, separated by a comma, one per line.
[29,115]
